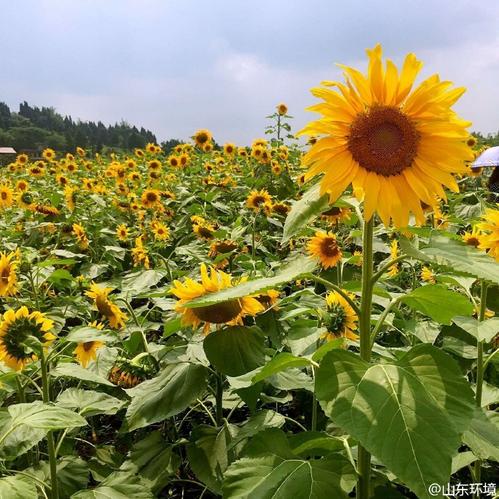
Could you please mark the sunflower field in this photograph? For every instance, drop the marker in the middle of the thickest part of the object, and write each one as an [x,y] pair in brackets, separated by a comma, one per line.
[297,318]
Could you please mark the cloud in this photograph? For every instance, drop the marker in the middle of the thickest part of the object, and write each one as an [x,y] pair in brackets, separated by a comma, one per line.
[174,67]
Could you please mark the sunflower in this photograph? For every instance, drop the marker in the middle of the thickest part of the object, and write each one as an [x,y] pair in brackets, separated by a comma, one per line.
[22,159]
[222,247]
[472,238]
[106,307]
[202,138]
[15,328]
[37,171]
[81,236]
[160,230]
[340,319]
[8,276]
[282,109]
[122,232]
[47,210]
[150,147]
[204,230]
[281,209]
[25,200]
[70,196]
[394,253]
[140,254]
[174,161]
[229,149]
[489,240]
[336,214]
[151,198]
[427,275]
[48,154]
[257,199]
[324,247]
[229,312]
[475,172]
[6,196]
[440,219]
[396,148]
[87,351]
[22,185]
[126,375]
[139,153]
[81,152]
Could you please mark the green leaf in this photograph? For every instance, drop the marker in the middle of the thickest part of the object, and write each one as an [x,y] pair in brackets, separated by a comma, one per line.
[166,395]
[138,282]
[272,477]
[44,416]
[456,256]
[314,443]
[154,460]
[17,487]
[292,270]
[235,350]
[82,334]
[280,362]
[482,437]
[481,330]
[438,302]
[208,456]
[410,414]
[304,211]
[15,440]
[262,420]
[118,485]
[89,402]
[76,371]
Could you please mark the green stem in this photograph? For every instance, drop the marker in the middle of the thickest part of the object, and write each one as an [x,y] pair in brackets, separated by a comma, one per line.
[386,267]
[480,370]
[50,436]
[364,458]
[313,426]
[330,285]
[219,398]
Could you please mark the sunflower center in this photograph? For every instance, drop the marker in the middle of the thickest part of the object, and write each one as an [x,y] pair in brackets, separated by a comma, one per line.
[329,247]
[383,140]
[88,345]
[473,241]
[4,195]
[219,313]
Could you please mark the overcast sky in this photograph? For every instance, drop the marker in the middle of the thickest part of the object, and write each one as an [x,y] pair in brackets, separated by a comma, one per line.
[174,66]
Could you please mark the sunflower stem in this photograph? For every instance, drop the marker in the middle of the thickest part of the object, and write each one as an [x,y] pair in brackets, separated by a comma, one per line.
[313,426]
[50,437]
[219,398]
[480,371]
[364,458]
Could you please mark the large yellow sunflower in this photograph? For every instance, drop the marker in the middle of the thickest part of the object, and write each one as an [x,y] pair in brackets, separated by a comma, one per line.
[341,319]
[257,199]
[395,147]
[489,240]
[8,275]
[229,312]
[15,328]
[202,138]
[324,246]
[6,196]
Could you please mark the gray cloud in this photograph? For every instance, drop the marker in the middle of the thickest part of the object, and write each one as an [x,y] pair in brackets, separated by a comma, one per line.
[175,66]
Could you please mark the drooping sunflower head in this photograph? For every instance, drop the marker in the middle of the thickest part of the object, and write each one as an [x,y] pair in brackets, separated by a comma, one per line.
[8,273]
[108,309]
[282,109]
[16,326]
[257,199]
[87,351]
[324,246]
[229,312]
[395,147]
[340,318]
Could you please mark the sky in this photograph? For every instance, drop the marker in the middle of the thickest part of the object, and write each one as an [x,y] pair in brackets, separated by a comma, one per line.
[175,66]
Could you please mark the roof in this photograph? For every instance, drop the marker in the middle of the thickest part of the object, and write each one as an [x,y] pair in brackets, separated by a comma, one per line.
[7,150]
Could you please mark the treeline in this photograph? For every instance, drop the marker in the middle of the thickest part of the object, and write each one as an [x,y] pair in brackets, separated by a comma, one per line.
[34,128]
[487,140]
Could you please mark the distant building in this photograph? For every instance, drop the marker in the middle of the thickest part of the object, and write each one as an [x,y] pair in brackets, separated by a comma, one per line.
[7,150]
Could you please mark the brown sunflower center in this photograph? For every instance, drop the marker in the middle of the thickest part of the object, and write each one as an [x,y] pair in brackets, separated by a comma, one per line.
[258,200]
[329,247]
[88,345]
[383,140]
[202,138]
[219,313]
[334,211]
[4,195]
[473,241]
[152,197]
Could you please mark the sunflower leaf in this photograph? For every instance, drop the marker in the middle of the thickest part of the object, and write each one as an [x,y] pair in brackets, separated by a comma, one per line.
[293,270]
